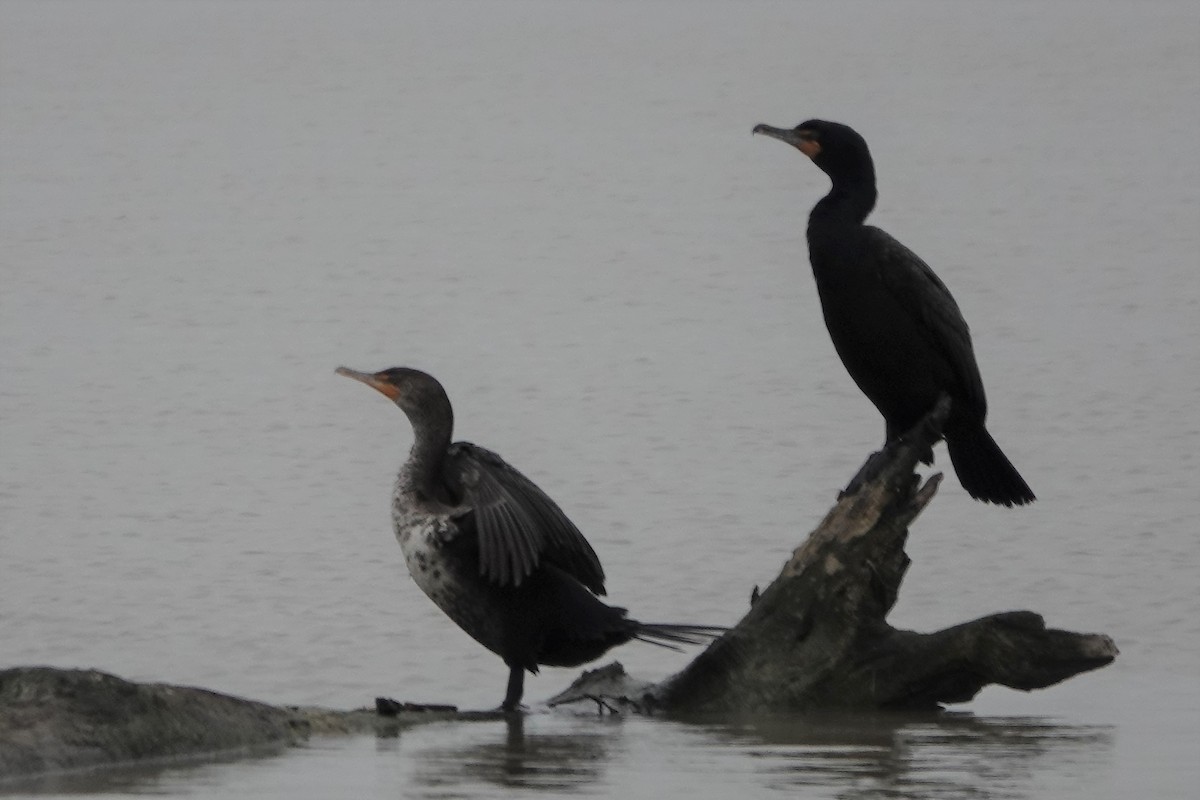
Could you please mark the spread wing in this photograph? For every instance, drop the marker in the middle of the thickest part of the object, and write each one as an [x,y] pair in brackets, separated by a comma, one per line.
[918,289]
[517,525]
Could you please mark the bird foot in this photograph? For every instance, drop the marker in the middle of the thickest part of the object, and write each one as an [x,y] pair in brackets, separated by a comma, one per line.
[602,704]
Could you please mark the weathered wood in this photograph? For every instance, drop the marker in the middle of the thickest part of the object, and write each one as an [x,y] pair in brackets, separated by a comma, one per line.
[60,719]
[817,637]
[53,720]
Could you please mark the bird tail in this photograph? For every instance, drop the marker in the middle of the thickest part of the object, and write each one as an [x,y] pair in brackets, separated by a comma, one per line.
[671,636]
[983,469]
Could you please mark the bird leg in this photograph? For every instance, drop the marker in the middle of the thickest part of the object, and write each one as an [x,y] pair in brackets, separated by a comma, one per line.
[516,687]
[921,436]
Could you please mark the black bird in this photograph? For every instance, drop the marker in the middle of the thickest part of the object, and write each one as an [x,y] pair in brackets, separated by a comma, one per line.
[893,322]
[495,553]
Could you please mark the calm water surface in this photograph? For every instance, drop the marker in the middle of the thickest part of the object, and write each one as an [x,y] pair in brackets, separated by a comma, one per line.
[558,209]
[545,756]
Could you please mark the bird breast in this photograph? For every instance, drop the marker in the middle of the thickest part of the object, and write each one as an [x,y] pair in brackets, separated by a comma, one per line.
[438,566]
[423,535]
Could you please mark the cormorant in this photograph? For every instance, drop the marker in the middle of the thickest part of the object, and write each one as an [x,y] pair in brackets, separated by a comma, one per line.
[893,322]
[495,553]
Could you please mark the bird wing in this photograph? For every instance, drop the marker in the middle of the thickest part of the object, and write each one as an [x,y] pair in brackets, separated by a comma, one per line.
[918,289]
[517,525]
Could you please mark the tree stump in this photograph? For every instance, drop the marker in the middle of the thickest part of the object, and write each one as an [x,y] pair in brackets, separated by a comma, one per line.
[817,637]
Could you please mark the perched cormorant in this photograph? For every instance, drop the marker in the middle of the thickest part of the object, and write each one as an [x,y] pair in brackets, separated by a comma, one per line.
[495,553]
[893,322]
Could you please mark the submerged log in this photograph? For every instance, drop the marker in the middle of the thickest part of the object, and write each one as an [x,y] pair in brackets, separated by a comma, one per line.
[55,720]
[817,638]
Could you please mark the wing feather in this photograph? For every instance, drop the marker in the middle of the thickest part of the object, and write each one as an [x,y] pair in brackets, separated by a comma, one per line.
[518,526]
[917,288]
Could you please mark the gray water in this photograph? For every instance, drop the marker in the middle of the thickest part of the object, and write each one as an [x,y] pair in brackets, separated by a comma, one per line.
[558,209]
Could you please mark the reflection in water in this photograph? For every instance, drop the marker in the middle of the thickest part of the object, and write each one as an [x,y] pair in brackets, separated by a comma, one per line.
[137,778]
[940,756]
[553,754]
[549,761]
[849,757]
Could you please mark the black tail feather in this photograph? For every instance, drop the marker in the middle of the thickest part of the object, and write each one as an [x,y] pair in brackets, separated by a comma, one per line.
[983,469]
[671,636]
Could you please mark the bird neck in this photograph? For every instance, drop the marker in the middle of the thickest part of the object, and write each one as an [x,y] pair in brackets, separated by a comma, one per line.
[848,203]
[422,472]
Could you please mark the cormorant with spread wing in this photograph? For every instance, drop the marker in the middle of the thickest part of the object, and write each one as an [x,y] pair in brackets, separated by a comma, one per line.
[495,553]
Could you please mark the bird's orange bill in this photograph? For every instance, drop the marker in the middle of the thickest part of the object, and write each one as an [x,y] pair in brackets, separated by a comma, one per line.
[802,139]
[372,380]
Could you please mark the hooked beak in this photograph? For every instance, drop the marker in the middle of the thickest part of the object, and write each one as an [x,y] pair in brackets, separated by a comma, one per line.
[808,146]
[373,380]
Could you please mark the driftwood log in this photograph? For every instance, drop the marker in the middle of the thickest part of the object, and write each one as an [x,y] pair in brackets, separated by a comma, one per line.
[817,638]
[58,720]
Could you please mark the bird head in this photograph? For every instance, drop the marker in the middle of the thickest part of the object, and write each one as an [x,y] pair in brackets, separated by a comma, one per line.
[418,394]
[837,149]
